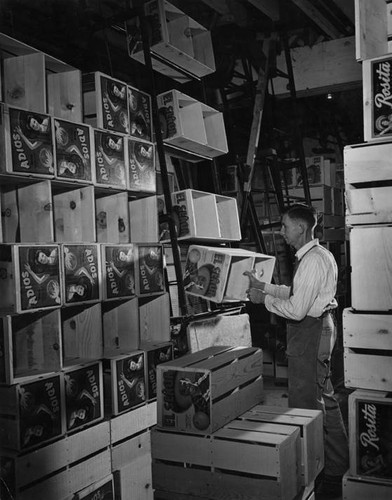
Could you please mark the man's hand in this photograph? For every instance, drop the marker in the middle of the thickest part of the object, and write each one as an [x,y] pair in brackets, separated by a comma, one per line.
[254,281]
[256,296]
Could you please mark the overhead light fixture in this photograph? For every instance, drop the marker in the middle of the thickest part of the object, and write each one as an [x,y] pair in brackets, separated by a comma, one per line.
[329,96]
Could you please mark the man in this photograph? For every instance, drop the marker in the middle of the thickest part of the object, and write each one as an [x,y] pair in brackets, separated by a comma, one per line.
[307,305]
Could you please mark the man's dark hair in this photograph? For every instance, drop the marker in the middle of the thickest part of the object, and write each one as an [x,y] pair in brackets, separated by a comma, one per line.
[300,211]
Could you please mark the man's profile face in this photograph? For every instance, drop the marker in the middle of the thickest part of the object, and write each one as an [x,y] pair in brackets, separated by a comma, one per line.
[291,230]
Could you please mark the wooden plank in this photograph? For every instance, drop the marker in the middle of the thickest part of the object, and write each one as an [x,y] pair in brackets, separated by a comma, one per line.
[367,371]
[135,477]
[362,488]
[132,422]
[368,205]
[112,218]
[367,162]
[131,450]
[154,319]
[65,95]
[268,7]
[317,17]
[367,331]
[321,68]
[120,326]
[371,29]
[143,220]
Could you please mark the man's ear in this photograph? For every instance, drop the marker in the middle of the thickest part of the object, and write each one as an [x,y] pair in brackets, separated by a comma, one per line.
[302,227]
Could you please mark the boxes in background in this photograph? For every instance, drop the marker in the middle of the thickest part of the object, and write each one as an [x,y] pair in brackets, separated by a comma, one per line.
[105,102]
[201,392]
[83,395]
[74,152]
[110,159]
[31,345]
[125,382]
[30,278]
[32,413]
[28,142]
[370,435]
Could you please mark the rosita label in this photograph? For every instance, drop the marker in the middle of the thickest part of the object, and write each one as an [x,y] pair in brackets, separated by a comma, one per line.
[382,97]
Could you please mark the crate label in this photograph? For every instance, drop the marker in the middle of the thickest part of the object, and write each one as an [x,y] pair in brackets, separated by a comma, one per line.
[120,271]
[150,264]
[204,273]
[140,124]
[167,116]
[39,277]
[73,150]
[154,358]
[186,400]
[151,10]
[103,492]
[131,389]
[382,98]
[114,105]
[374,439]
[181,219]
[83,395]
[81,273]
[40,411]
[110,159]
[31,142]
[141,158]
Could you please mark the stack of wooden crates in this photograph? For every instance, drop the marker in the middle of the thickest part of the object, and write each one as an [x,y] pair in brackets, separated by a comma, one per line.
[367,324]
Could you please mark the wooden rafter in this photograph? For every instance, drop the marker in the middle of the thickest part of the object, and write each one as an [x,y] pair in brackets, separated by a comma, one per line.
[309,8]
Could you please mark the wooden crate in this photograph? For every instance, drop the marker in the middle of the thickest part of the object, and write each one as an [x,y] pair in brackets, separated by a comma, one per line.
[191,125]
[82,276]
[60,469]
[201,392]
[320,171]
[370,431]
[330,228]
[120,323]
[25,82]
[127,425]
[81,333]
[367,203]
[74,151]
[363,488]
[244,459]
[105,102]
[118,270]
[104,488]
[228,219]
[32,413]
[371,259]
[140,158]
[149,269]
[84,397]
[178,41]
[27,213]
[376,107]
[143,220]
[154,318]
[216,274]
[32,346]
[112,218]
[156,353]
[135,475]
[140,114]
[30,278]
[65,95]
[28,142]
[367,345]
[321,197]
[310,424]
[110,159]
[74,215]
[125,382]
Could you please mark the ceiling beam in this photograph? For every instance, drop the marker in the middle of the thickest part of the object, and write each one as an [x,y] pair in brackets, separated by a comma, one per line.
[318,18]
[231,10]
[268,7]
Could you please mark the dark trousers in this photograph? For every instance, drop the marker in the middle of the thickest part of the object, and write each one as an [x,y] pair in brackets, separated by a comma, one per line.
[309,347]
